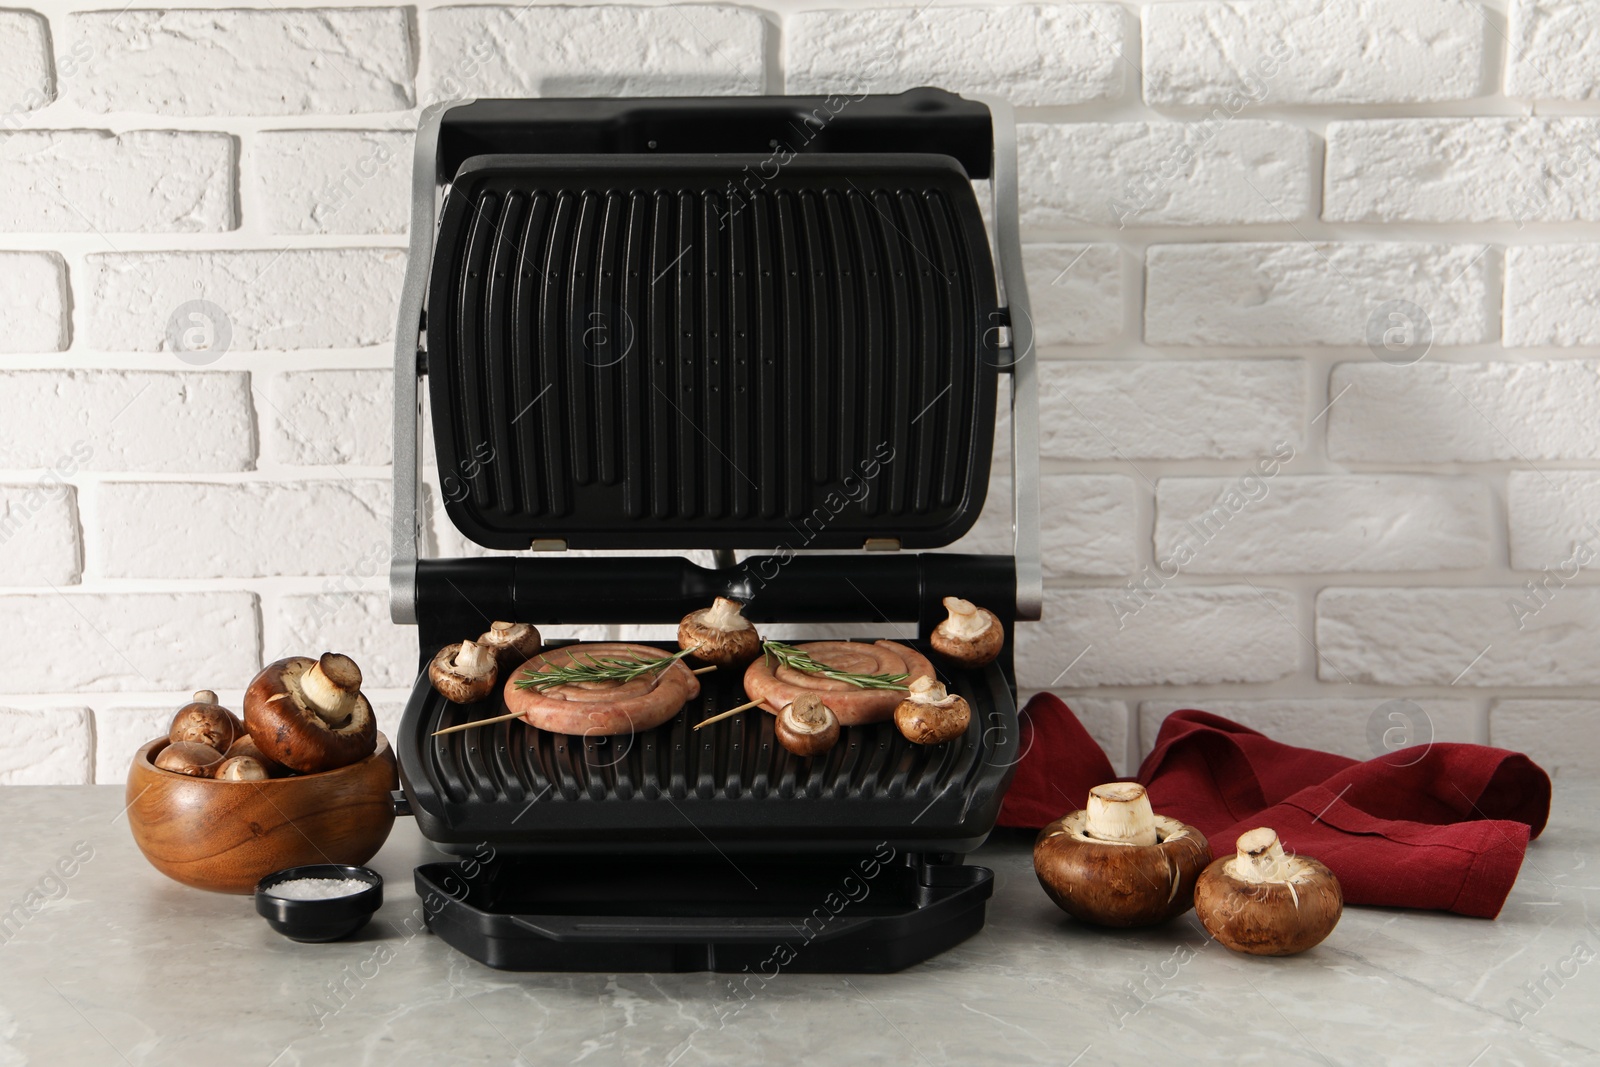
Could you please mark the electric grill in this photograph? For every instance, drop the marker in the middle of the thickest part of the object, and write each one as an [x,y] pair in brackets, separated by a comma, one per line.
[771,324]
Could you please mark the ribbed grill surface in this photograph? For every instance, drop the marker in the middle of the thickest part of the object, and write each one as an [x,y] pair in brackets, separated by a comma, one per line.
[735,760]
[802,356]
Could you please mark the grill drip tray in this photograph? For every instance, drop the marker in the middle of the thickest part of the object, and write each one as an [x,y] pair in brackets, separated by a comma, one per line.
[873,913]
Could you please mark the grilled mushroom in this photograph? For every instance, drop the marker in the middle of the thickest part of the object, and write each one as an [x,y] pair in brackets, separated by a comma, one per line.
[513,643]
[310,715]
[931,716]
[205,721]
[807,727]
[1266,902]
[1117,863]
[971,636]
[464,673]
[189,757]
[720,634]
[241,769]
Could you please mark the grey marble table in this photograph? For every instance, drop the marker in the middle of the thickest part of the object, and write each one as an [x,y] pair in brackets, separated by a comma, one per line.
[125,967]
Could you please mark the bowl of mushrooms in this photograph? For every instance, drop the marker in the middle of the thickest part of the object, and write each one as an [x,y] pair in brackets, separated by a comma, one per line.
[302,777]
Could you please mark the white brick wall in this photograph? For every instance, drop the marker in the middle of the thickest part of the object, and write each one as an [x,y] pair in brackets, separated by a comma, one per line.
[166,182]
[1029,53]
[1315,237]
[33,300]
[328,61]
[1312,51]
[1163,173]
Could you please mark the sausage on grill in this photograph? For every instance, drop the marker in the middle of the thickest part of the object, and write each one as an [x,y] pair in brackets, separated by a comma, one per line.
[851,703]
[601,708]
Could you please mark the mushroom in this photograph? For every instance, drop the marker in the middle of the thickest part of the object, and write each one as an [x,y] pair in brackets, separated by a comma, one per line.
[931,716]
[720,634]
[241,769]
[971,636]
[1265,901]
[310,714]
[245,746]
[513,643]
[205,721]
[189,757]
[807,726]
[1117,863]
[464,673]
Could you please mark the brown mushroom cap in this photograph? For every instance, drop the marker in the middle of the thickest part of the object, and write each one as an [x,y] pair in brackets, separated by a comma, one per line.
[246,746]
[1294,908]
[190,758]
[310,715]
[464,673]
[513,643]
[241,769]
[1112,881]
[931,716]
[205,721]
[806,726]
[720,634]
[971,636]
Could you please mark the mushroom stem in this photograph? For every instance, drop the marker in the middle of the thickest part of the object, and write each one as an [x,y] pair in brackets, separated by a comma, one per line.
[205,696]
[331,688]
[1261,858]
[966,620]
[1120,813]
[929,690]
[724,614]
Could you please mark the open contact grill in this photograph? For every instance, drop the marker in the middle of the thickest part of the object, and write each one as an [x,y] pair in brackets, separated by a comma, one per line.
[770,324]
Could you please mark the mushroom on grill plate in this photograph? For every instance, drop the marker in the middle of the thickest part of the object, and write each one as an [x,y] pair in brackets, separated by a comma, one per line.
[971,636]
[720,634]
[513,643]
[930,715]
[806,726]
[464,673]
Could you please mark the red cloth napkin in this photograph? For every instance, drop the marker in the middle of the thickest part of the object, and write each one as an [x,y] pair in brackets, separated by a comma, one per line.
[1445,829]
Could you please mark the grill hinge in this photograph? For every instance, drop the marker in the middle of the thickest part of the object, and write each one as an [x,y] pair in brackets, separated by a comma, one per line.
[882,544]
[548,544]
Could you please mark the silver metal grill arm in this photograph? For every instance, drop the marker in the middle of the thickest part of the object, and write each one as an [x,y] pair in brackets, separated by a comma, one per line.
[1021,360]
[406,501]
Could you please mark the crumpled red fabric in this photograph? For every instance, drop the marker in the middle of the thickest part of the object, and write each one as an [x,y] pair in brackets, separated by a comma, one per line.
[1444,829]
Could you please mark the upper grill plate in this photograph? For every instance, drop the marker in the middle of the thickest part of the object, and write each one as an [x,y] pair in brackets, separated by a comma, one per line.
[692,352]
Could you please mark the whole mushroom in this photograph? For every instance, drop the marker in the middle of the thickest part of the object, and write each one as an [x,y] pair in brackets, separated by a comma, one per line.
[513,643]
[806,726]
[310,714]
[189,757]
[1117,863]
[205,721]
[1265,902]
[241,769]
[931,716]
[971,636]
[464,673]
[246,746]
[720,634]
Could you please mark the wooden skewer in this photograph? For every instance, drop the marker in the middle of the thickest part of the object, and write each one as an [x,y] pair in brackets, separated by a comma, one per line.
[474,725]
[705,670]
[727,714]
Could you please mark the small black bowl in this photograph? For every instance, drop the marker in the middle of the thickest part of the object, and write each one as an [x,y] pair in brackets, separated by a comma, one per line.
[319,920]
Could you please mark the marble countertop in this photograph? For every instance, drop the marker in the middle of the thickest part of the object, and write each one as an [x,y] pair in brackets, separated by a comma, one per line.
[122,966]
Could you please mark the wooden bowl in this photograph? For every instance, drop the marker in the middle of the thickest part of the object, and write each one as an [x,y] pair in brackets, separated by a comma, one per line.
[227,836]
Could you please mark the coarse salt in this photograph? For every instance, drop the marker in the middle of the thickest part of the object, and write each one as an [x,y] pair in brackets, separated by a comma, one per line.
[317,888]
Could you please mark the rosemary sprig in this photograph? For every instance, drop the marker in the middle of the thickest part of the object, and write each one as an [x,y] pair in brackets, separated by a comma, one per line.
[793,658]
[595,669]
